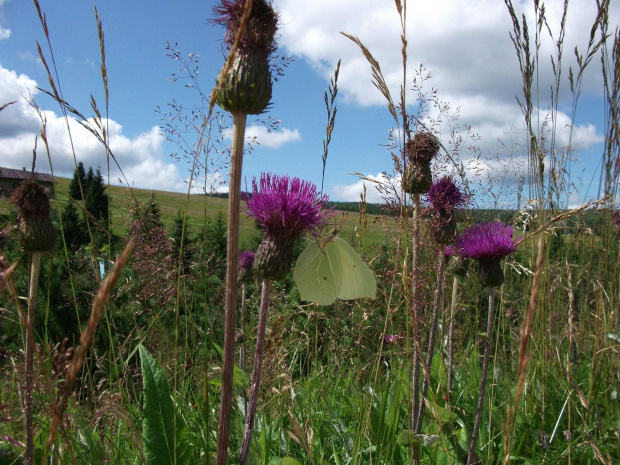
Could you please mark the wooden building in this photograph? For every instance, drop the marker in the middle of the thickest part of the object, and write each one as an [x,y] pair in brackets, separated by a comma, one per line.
[10,179]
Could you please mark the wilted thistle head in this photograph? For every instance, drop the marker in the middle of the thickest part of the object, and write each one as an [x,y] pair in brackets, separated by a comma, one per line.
[258,36]
[445,195]
[420,151]
[247,84]
[285,208]
[246,264]
[488,243]
[36,230]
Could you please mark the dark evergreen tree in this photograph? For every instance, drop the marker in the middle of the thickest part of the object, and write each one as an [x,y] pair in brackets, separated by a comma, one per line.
[215,237]
[96,201]
[186,238]
[73,227]
[217,232]
[79,178]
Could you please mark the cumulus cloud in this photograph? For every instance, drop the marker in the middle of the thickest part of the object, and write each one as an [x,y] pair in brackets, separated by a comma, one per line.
[266,137]
[139,157]
[377,188]
[465,47]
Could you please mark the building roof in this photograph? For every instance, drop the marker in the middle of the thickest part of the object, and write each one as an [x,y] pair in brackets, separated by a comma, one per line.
[24,175]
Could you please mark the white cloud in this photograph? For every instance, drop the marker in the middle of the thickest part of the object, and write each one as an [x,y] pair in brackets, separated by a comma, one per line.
[465,46]
[139,157]
[267,138]
[377,188]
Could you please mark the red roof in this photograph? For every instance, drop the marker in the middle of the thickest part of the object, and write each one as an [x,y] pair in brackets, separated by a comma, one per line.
[24,174]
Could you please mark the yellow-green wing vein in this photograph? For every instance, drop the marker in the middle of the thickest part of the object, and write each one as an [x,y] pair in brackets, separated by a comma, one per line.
[358,280]
[318,277]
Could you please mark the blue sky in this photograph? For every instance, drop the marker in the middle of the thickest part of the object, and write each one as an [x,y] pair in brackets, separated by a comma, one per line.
[464,45]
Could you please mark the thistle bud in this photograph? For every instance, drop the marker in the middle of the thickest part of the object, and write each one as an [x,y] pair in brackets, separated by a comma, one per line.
[36,230]
[274,257]
[418,178]
[247,86]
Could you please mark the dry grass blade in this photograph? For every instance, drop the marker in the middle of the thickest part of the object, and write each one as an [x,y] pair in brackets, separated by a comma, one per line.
[86,339]
[377,76]
[7,104]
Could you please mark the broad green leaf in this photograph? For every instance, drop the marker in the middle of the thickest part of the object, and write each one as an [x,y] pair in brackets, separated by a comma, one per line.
[161,441]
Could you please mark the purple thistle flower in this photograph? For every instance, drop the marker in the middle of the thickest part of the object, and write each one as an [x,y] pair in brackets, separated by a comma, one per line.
[285,208]
[246,259]
[246,263]
[445,195]
[391,338]
[488,243]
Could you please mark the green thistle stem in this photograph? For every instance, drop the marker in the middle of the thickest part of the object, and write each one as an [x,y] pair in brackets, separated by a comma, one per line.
[232,256]
[35,267]
[256,372]
[471,454]
[431,339]
[450,361]
[415,315]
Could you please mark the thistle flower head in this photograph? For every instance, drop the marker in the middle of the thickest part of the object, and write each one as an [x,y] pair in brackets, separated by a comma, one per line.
[246,259]
[391,338]
[260,30]
[282,205]
[246,87]
[445,195]
[285,208]
[422,148]
[246,264]
[488,243]
[36,230]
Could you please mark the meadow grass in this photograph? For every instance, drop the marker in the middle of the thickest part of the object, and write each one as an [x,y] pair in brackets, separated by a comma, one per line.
[138,378]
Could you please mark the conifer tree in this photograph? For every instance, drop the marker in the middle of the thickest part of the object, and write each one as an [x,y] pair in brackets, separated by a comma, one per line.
[96,201]
[73,227]
[79,178]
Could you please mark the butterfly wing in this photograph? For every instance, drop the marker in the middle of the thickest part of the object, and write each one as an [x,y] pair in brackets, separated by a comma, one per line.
[318,274]
[358,280]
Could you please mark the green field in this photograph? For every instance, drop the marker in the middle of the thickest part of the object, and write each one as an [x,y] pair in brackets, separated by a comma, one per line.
[198,209]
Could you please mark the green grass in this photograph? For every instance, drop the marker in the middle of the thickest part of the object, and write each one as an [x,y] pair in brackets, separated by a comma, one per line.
[200,209]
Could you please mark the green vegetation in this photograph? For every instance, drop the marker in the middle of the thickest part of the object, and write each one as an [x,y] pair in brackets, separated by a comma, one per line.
[128,365]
